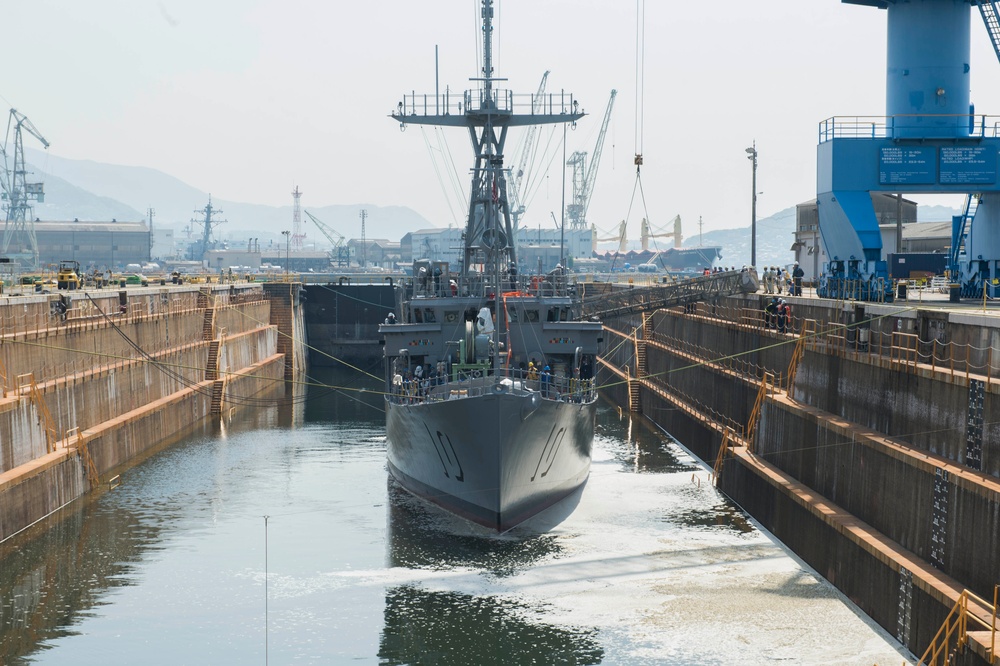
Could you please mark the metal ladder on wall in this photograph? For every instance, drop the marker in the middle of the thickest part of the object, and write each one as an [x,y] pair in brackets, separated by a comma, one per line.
[766,389]
[954,634]
[83,451]
[808,331]
[26,384]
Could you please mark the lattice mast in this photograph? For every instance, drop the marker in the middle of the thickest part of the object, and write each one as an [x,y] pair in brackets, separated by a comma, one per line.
[207,224]
[298,236]
[17,193]
[487,112]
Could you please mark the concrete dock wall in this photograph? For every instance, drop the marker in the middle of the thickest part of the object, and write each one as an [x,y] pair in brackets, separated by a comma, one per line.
[873,458]
[93,383]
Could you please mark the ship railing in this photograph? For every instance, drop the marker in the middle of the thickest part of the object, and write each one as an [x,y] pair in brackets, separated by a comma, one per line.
[480,383]
[499,101]
[545,285]
[925,126]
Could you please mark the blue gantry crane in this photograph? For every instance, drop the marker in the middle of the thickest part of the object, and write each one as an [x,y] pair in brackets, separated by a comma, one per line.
[931,140]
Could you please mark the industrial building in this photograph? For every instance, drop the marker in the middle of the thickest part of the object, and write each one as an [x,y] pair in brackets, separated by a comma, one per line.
[100,244]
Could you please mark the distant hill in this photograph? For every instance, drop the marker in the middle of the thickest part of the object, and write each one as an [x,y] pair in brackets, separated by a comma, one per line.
[64,201]
[936,213]
[91,190]
[774,241]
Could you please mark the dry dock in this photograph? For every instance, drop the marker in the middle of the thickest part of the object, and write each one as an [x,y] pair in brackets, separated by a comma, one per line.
[866,437]
[90,380]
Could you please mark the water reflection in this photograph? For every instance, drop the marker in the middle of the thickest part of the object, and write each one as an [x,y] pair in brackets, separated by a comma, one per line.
[344,396]
[422,536]
[718,516]
[444,628]
[635,443]
[57,572]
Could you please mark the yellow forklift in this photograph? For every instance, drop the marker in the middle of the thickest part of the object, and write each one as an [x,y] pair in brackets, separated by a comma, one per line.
[69,275]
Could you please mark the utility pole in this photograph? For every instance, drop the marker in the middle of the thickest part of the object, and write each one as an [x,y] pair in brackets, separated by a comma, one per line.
[287,235]
[752,156]
[364,245]
[150,212]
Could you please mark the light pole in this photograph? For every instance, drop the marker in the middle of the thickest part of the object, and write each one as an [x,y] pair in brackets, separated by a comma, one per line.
[287,235]
[752,156]
[364,244]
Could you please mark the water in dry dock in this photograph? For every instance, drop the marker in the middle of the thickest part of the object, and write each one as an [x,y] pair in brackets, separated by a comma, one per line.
[652,566]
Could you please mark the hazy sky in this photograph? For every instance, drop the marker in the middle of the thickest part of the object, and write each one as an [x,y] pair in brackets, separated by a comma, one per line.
[247,98]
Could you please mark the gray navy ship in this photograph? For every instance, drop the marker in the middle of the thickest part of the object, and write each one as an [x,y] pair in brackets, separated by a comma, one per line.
[490,397]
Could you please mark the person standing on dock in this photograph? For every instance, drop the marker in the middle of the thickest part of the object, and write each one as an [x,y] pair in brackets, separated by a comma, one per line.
[797,275]
[783,312]
[771,312]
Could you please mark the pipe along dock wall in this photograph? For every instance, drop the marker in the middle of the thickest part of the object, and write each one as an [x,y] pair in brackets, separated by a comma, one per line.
[89,381]
[874,454]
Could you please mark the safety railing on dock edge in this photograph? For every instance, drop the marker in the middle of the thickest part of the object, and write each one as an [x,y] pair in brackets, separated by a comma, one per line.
[744,368]
[863,340]
[706,412]
[953,636]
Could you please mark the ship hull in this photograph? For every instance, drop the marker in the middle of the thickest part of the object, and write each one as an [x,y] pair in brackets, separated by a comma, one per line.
[496,459]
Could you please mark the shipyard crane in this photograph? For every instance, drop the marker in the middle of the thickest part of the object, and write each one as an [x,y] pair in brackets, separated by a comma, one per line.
[928,142]
[584,178]
[645,235]
[990,14]
[17,194]
[339,255]
[515,178]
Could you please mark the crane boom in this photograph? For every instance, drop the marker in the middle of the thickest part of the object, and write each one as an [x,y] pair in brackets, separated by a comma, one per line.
[339,253]
[517,176]
[595,161]
[584,177]
[24,123]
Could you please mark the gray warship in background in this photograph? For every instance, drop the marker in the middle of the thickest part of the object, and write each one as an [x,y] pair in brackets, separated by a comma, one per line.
[490,397]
